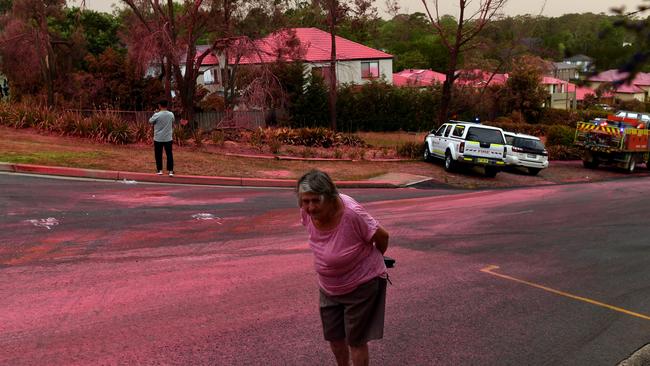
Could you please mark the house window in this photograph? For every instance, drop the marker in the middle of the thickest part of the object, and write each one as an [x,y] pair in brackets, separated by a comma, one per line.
[323,71]
[370,70]
[208,77]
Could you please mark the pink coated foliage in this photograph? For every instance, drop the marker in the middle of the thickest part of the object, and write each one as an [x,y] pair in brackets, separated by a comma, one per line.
[143,46]
[20,59]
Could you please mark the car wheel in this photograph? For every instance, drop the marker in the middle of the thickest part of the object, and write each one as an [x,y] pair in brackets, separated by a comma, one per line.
[450,164]
[427,152]
[491,171]
[533,171]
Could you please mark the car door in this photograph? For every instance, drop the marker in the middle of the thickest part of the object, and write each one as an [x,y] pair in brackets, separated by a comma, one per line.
[437,141]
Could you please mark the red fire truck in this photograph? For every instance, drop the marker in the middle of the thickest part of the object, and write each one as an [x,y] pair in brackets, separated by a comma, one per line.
[621,140]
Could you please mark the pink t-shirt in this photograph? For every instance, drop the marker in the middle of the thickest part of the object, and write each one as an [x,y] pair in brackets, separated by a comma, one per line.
[344,257]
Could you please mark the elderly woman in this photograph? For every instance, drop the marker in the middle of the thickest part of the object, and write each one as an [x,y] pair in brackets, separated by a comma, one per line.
[348,246]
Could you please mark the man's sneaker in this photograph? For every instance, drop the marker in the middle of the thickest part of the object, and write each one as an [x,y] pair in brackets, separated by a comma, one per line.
[159,172]
[171,174]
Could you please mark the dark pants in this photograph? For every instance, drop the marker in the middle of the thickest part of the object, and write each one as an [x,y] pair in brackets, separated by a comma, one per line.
[158,149]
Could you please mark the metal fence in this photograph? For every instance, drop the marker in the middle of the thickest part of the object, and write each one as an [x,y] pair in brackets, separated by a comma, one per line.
[207,121]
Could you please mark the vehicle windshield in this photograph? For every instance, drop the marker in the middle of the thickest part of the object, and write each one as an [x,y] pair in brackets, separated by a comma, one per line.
[525,143]
[485,135]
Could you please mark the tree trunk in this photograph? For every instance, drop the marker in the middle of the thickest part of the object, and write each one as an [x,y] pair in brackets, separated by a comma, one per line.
[332,94]
[168,79]
[47,67]
[49,82]
[447,89]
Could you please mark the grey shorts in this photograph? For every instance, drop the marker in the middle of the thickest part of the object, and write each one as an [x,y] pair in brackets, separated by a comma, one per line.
[356,317]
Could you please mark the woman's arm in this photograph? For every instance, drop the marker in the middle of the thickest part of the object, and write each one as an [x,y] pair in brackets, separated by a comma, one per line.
[380,239]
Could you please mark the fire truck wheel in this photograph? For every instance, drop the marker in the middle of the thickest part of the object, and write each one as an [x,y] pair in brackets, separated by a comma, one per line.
[590,164]
[631,166]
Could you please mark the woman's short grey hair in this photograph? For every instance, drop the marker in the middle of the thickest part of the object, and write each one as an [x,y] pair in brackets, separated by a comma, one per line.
[318,182]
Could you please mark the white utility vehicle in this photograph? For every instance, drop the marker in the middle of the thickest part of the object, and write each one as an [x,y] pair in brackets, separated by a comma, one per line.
[526,151]
[467,143]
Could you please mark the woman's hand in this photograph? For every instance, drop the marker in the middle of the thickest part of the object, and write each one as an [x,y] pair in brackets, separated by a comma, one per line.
[380,239]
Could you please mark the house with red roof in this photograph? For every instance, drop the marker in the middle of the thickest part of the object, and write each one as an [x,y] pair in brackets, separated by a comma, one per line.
[418,78]
[355,63]
[209,71]
[637,89]
[479,78]
[562,94]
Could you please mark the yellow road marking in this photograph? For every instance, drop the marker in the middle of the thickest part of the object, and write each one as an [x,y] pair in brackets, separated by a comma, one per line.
[489,270]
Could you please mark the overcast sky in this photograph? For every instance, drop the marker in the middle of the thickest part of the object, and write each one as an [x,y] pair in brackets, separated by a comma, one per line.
[551,8]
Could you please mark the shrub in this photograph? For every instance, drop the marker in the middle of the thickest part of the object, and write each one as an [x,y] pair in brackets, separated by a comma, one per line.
[218,137]
[197,136]
[411,150]
[107,127]
[550,116]
[181,135]
[232,134]
[257,138]
[528,129]
[307,152]
[560,135]
[66,123]
[314,137]
[558,152]
[354,154]
[274,145]
[631,105]
[590,114]
[119,134]
[141,132]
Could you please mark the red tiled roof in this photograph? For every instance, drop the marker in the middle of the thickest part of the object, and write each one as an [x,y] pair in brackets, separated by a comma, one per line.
[548,80]
[581,91]
[613,75]
[629,89]
[315,46]
[478,77]
[417,77]
[399,80]
[608,76]
[642,79]
[210,59]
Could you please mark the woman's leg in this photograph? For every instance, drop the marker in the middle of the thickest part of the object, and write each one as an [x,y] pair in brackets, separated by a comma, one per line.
[340,350]
[360,355]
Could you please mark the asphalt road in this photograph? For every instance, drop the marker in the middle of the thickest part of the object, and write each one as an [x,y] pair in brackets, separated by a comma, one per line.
[113,273]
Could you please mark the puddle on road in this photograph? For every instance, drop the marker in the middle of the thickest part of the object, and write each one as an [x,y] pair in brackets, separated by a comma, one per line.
[46,223]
